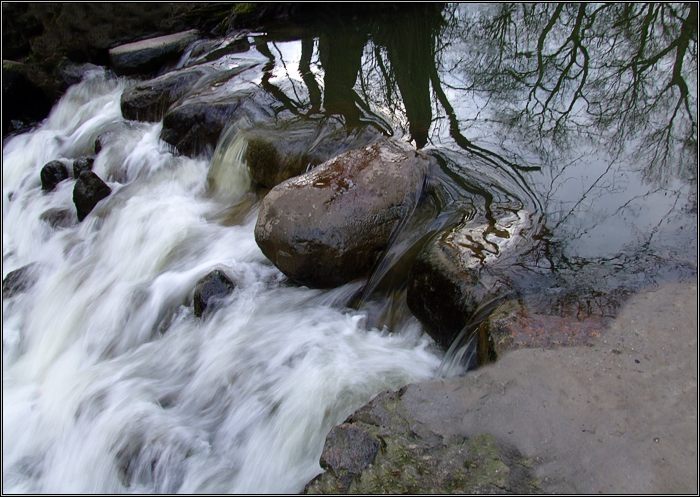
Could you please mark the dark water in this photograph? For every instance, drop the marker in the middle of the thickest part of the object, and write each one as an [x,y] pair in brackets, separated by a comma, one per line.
[583,115]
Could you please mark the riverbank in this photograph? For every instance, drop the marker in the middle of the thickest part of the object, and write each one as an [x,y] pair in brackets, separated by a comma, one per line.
[619,416]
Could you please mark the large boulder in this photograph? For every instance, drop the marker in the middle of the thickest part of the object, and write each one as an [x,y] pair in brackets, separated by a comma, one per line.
[149,100]
[52,174]
[147,56]
[463,270]
[307,143]
[330,225]
[211,289]
[88,191]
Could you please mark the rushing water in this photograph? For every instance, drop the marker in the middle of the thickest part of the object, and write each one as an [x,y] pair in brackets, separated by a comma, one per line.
[111,384]
[108,376]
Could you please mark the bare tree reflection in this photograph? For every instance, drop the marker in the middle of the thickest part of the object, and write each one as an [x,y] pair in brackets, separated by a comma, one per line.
[616,72]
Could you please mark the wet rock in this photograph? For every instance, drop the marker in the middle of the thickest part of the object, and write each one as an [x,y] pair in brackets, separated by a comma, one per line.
[194,126]
[548,321]
[101,141]
[115,134]
[463,270]
[52,174]
[349,448]
[384,449]
[147,56]
[148,101]
[210,289]
[88,191]
[71,73]
[82,164]
[329,226]
[24,101]
[306,144]
[211,50]
[18,281]
[58,218]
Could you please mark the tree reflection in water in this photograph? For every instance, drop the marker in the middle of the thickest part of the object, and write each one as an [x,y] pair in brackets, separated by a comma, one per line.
[613,72]
[585,113]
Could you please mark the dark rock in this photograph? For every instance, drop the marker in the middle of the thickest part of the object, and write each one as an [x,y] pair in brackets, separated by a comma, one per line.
[23,101]
[210,289]
[463,271]
[58,218]
[329,226]
[402,455]
[52,174]
[18,281]
[306,144]
[82,164]
[71,73]
[88,191]
[147,56]
[349,449]
[148,101]
[194,126]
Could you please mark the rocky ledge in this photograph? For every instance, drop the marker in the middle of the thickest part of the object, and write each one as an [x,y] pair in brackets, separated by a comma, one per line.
[617,415]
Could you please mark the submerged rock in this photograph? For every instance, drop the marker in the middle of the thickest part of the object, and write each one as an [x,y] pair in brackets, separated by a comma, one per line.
[58,218]
[149,101]
[88,191]
[548,320]
[147,56]
[307,143]
[52,174]
[82,164]
[18,281]
[329,226]
[210,289]
[383,449]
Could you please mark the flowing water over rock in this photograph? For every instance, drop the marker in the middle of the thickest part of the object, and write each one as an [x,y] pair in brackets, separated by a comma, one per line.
[111,383]
[560,192]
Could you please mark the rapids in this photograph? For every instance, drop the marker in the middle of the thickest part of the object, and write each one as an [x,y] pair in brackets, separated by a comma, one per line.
[110,383]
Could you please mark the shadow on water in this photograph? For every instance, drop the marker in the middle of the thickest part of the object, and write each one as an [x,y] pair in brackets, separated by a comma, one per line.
[582,116]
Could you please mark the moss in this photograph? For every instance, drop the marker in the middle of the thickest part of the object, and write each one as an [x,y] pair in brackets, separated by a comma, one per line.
[244,8]
[485,462]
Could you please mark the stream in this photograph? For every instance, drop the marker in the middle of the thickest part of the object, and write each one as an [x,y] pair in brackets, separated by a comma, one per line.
[112,385]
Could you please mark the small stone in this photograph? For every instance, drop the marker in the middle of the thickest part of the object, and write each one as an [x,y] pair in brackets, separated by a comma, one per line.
[52,174]
[82,164]
[210,289]
[88,191]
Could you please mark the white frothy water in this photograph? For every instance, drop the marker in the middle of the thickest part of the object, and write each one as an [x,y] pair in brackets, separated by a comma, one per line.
[111,384]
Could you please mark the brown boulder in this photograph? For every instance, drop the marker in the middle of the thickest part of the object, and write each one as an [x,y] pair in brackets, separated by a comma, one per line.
[330,225]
